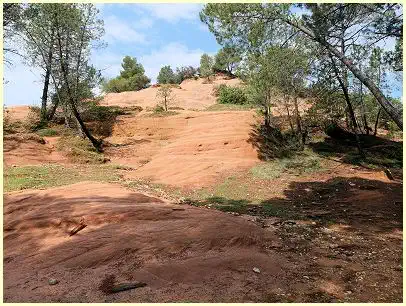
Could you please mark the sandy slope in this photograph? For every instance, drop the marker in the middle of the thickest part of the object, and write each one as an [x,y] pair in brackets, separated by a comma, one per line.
[191,254]
[22,150]
[190,149]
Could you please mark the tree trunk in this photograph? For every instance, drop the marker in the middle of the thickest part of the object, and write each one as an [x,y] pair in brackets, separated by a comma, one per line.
[45,95]
[300,134]
[286,98]
[364,115]
[267,116]
[392,111]
[350,109]
[52,111]
[377,120]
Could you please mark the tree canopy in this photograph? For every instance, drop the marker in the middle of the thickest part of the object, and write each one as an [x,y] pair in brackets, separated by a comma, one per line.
[131,78]
[166,76]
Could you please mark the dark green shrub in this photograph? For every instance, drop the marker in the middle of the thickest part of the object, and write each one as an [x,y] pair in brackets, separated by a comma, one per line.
[217,89]
[47,132]
[232,95]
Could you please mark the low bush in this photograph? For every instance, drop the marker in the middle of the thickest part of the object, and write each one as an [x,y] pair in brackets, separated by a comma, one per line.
[47,132]
[231,95]
[33,120]
[80,150]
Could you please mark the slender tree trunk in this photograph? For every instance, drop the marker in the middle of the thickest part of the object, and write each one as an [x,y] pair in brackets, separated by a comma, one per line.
[45,96]
[392,111]
[377,120]
[286,100]
[350,109]
[364,115]
[58,102]
[46,85]
[52,111]
[300,133]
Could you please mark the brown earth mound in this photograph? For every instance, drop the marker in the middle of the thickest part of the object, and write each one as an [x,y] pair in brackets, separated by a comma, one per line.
[18,113]
[182,253]
[192,94]
[30,149]
[190,149]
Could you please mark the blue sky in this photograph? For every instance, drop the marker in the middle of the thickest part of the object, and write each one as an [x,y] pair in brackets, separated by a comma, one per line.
[156,34]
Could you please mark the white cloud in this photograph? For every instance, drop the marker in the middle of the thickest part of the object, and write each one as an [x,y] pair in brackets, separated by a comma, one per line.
[119,31]
[172,12]
[173,54]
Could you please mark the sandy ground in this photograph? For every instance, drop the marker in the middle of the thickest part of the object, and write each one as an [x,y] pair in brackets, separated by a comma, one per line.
[18,113]
[19,150]
[193,94]
[184,253]
[189,254]
[190,149]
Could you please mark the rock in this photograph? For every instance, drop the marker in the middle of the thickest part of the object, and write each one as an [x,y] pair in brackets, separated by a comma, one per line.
[53,281]
[256,270]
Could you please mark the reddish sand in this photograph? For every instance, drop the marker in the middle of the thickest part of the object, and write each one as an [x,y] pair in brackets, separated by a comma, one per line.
[190,149]
[191,254]
[20,150]
[184,253]
[193,94]
[18,113]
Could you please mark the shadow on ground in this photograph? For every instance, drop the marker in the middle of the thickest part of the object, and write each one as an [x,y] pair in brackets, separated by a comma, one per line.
[361,204]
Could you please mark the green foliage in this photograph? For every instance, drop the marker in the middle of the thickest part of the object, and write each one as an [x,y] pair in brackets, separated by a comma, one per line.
[230,95]
[206,66]
[217,89]
[33,120]
[166,76]
[131,67]
[184,73]
[230,107]
[296,165]
[47,132]
[158,109]
[131,78]
[227,59]
[165,95]
[46,176]
[80,150]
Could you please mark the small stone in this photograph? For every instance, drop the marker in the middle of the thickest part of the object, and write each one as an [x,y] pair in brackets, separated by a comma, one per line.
[307,189]
[53,281]
[348,292]
[256,270]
